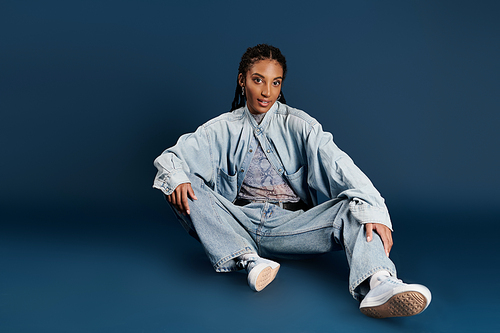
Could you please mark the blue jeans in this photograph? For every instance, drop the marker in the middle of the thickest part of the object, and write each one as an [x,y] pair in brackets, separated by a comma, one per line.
[227,231]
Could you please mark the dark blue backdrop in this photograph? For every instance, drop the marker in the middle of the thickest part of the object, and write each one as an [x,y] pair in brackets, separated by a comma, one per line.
[92,91]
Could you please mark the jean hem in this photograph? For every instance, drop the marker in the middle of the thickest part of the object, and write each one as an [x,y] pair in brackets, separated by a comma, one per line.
[219,265]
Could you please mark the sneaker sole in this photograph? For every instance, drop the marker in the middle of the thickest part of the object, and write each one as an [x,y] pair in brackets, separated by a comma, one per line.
[404,304]
[265,277]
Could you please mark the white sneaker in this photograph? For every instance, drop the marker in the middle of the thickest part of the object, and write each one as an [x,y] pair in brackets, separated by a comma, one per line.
[261,271]
[393,298]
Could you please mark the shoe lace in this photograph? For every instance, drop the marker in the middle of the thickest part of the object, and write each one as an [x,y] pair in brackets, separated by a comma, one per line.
[394,280]
[245,260]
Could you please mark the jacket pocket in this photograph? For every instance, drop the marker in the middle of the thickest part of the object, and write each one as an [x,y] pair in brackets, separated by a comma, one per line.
[298,182]
[296,174]
[227,185]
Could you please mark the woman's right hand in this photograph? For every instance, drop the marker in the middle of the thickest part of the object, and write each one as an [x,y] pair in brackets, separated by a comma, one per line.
[179,198]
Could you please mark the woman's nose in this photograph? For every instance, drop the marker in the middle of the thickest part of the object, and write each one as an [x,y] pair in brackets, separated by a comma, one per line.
[266,90]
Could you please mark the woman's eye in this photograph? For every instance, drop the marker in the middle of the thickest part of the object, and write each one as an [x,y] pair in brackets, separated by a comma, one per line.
[258,80]
[276,83]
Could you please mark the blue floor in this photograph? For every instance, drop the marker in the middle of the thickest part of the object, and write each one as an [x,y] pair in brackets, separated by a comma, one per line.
[146,275]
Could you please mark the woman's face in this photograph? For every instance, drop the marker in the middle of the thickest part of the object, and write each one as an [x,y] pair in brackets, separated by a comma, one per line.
[262,85]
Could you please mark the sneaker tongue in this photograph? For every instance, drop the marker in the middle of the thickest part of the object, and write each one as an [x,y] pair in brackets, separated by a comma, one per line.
[378,277]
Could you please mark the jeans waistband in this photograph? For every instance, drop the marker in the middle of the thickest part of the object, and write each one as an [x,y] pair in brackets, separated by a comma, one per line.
[293,206]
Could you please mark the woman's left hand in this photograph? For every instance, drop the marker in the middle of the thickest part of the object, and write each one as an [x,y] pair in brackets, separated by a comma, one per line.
[384,232]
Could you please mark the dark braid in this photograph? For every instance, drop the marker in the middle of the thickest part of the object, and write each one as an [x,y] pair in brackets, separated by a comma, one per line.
[249,58]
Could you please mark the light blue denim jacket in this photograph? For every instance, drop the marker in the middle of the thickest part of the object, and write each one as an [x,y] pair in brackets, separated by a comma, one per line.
[220,152]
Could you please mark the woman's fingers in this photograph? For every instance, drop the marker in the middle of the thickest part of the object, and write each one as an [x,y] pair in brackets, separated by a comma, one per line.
[369,232]
[184,199]
[179,198]
[191,193]
[383,231]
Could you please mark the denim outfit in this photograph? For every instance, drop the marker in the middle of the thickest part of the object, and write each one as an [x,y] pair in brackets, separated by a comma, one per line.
[215,159]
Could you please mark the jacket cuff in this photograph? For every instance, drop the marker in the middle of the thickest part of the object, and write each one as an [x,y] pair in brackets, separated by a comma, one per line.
[168,182]
[365,213]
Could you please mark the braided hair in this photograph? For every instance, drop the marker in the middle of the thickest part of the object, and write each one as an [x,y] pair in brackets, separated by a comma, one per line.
[249,58]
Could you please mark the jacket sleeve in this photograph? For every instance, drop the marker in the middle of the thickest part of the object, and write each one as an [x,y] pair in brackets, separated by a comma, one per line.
[192,154]
[333,173]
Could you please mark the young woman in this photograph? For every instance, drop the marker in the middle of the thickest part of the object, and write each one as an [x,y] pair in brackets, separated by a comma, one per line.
[245,185]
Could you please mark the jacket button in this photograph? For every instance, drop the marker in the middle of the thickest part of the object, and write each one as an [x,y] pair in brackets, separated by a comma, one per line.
[242,170]
[280,170]
[250,150]
[268,151]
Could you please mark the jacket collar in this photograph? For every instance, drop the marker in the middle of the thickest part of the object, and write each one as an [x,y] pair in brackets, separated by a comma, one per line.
[263,124]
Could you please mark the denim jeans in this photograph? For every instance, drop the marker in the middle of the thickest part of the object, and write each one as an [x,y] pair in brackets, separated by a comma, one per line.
[227,231]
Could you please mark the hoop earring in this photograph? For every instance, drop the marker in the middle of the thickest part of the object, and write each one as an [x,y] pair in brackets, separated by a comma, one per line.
[279,97]
[243,91]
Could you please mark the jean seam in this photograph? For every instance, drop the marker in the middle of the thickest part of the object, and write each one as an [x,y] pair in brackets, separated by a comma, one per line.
[282,234]
[258,231]
[346,248]
[223,207]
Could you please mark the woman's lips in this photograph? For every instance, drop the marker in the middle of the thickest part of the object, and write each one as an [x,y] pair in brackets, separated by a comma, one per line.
[263,103]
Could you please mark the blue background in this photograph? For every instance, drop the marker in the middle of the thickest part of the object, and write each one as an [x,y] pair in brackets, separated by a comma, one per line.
[92,91]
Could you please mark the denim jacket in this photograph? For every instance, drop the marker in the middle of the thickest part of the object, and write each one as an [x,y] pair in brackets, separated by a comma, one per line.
[220,152]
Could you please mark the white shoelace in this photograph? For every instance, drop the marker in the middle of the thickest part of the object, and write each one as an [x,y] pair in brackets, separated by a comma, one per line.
[245,260]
